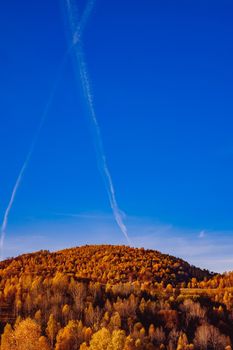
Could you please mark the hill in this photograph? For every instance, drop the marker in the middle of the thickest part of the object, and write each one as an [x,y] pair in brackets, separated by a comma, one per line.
[112,298]
[105,264]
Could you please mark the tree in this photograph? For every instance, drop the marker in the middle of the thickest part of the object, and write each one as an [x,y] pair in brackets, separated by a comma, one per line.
[84,346]
[100,340]
[118,340]
[173,339]
[18,320]
[87,334]
[90,315]
[60,282]
[78,292]
[209,336]
[151,332]
[7,339]
[27,334]
[159,336]
[129,343]
[28,304]
[115,321]
[38,317]
[18,306]
[52,329]
[69,337]
[66,313]
[43,343]
[182,342]
[193,311]
[169,289]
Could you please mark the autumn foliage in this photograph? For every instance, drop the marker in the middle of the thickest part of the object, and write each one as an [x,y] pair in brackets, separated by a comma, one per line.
[113,298]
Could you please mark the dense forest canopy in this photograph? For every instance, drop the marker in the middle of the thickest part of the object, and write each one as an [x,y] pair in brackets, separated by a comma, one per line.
[113,298]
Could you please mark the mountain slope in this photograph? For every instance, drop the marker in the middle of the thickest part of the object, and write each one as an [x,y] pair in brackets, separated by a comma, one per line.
[106,264]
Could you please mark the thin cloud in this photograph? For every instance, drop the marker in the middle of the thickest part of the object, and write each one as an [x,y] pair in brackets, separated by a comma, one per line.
[202,234]
[213,252]
[43,118]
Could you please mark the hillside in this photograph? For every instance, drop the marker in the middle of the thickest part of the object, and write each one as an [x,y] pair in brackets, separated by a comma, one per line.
[106,264]
[112,298]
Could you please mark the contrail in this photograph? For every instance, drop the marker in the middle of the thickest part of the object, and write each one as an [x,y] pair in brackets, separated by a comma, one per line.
[44,115]
[28,158]
[101,158]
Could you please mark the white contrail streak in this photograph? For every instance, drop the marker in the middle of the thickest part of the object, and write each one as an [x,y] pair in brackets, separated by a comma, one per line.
[44,115]
[101,158]
[28,158]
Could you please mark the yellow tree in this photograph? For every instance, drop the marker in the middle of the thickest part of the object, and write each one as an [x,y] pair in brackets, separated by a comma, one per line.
[118,340]
[90,315]
[7,339]
[100,340]
[115,321]
[18,306]
[52,329]
[182,342]
[27,334]
[17,321]
[66,313]
[87,334]
[84,346]
[38,317]
[151,333]
[44,344]
[129,343]
[68,337]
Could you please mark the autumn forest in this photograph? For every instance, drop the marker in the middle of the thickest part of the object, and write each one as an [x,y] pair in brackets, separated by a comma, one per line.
[112,298]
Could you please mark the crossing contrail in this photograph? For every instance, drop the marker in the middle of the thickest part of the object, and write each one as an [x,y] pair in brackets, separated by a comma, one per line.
[101,158]
[78,31]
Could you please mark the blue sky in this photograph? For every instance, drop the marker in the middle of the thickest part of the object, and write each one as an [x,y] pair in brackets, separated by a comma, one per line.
[162,83]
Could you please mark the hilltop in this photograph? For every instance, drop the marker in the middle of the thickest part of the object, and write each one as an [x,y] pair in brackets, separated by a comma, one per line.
[106,264]
[104,297]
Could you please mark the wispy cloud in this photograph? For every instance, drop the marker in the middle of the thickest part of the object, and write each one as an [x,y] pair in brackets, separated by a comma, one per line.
[213,250]
[202,234]
[83,215]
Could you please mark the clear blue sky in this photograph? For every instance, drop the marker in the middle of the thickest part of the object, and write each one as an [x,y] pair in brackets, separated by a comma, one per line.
[162,82]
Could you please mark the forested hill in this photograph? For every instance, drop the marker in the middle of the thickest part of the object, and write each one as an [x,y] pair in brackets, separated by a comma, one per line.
[112,298]
[105,264]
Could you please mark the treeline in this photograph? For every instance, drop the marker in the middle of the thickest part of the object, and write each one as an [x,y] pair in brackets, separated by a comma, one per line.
[106,264]
[47,302]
